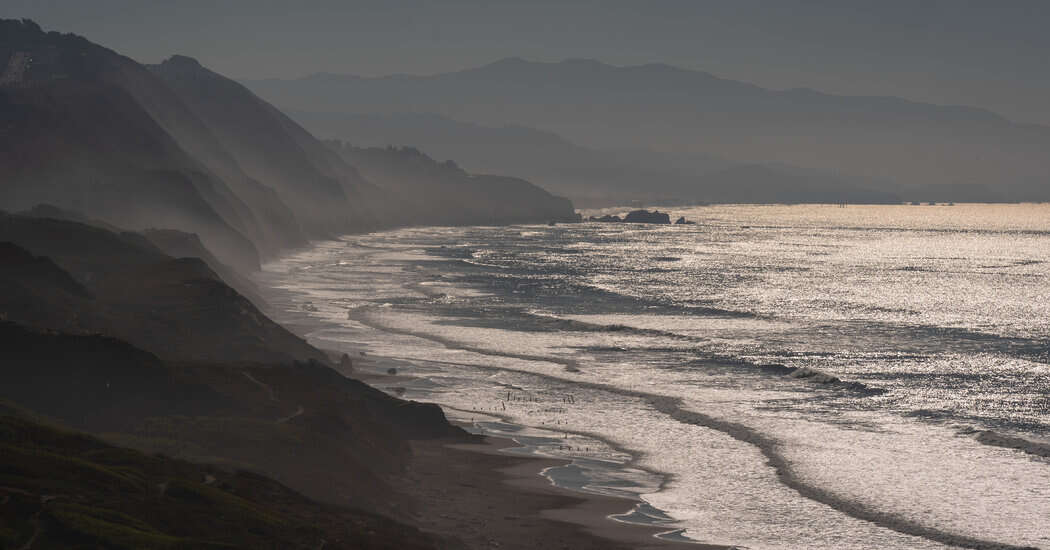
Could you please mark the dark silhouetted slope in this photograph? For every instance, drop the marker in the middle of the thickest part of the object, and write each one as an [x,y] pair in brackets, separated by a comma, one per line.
[92,381]
[328,436]
[38,291]
[73,134]
[174,243]
[324,193]
[441,193]
[63,489]
[179,244]
[175,308]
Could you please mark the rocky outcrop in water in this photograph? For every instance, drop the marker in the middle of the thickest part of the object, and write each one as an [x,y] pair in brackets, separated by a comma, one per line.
[636,216]
[645,216]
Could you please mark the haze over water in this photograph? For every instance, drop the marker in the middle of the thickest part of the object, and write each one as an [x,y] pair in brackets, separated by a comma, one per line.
[649,348]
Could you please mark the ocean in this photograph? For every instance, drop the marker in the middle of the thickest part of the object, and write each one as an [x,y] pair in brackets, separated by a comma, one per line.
[772,377]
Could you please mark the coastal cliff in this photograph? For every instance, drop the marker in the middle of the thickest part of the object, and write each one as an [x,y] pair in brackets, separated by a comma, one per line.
[148,399]
[429,192]
[177,146]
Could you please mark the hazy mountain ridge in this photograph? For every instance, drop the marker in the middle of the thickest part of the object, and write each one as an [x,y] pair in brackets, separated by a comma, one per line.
[670,109]
[75,136]
[173,146]
[594,177]
[269,147]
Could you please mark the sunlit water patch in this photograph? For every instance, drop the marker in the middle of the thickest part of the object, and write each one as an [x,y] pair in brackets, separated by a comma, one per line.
[773,377]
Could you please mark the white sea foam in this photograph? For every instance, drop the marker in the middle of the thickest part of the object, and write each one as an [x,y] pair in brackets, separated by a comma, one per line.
[752,457]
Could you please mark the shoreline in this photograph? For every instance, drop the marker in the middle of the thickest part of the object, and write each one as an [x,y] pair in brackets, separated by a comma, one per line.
[592,513]
[510,479]
[484,497]
[673,407]
[670,406]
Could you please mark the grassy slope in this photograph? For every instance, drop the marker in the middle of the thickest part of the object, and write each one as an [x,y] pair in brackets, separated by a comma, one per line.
[62,489]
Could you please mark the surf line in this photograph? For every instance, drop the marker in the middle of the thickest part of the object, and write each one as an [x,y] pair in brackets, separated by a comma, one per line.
[769,447]
[360,315]
[642,513]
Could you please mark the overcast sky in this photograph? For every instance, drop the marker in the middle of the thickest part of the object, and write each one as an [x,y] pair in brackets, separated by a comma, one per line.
[993,54]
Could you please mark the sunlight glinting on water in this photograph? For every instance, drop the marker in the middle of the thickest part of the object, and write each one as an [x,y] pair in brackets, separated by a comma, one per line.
[925,326]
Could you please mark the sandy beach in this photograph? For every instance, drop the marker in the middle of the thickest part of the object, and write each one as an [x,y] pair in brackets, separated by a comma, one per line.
[476,495]
[480,496]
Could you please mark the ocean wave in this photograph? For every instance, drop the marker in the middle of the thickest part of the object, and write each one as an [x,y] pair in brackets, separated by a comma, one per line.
[819,377]
[802,373]
[770,448]
[995,439]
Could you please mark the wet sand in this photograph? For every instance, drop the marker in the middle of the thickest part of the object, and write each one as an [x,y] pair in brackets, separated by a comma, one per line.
[475,495]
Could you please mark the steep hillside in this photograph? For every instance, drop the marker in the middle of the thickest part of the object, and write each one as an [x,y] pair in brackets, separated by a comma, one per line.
[179,244]
[127,288]
[71,134]
[430,192]
[110,335]
[330,437]
[63,489]
[176,146]
[174,243]
[316,185]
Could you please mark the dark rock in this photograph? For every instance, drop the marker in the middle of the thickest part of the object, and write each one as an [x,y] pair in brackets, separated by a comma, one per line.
[645,216]
[683,221]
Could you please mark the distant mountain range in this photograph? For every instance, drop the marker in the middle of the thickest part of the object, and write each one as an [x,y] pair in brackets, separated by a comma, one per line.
[175,146]
[904,145]
[594,177]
